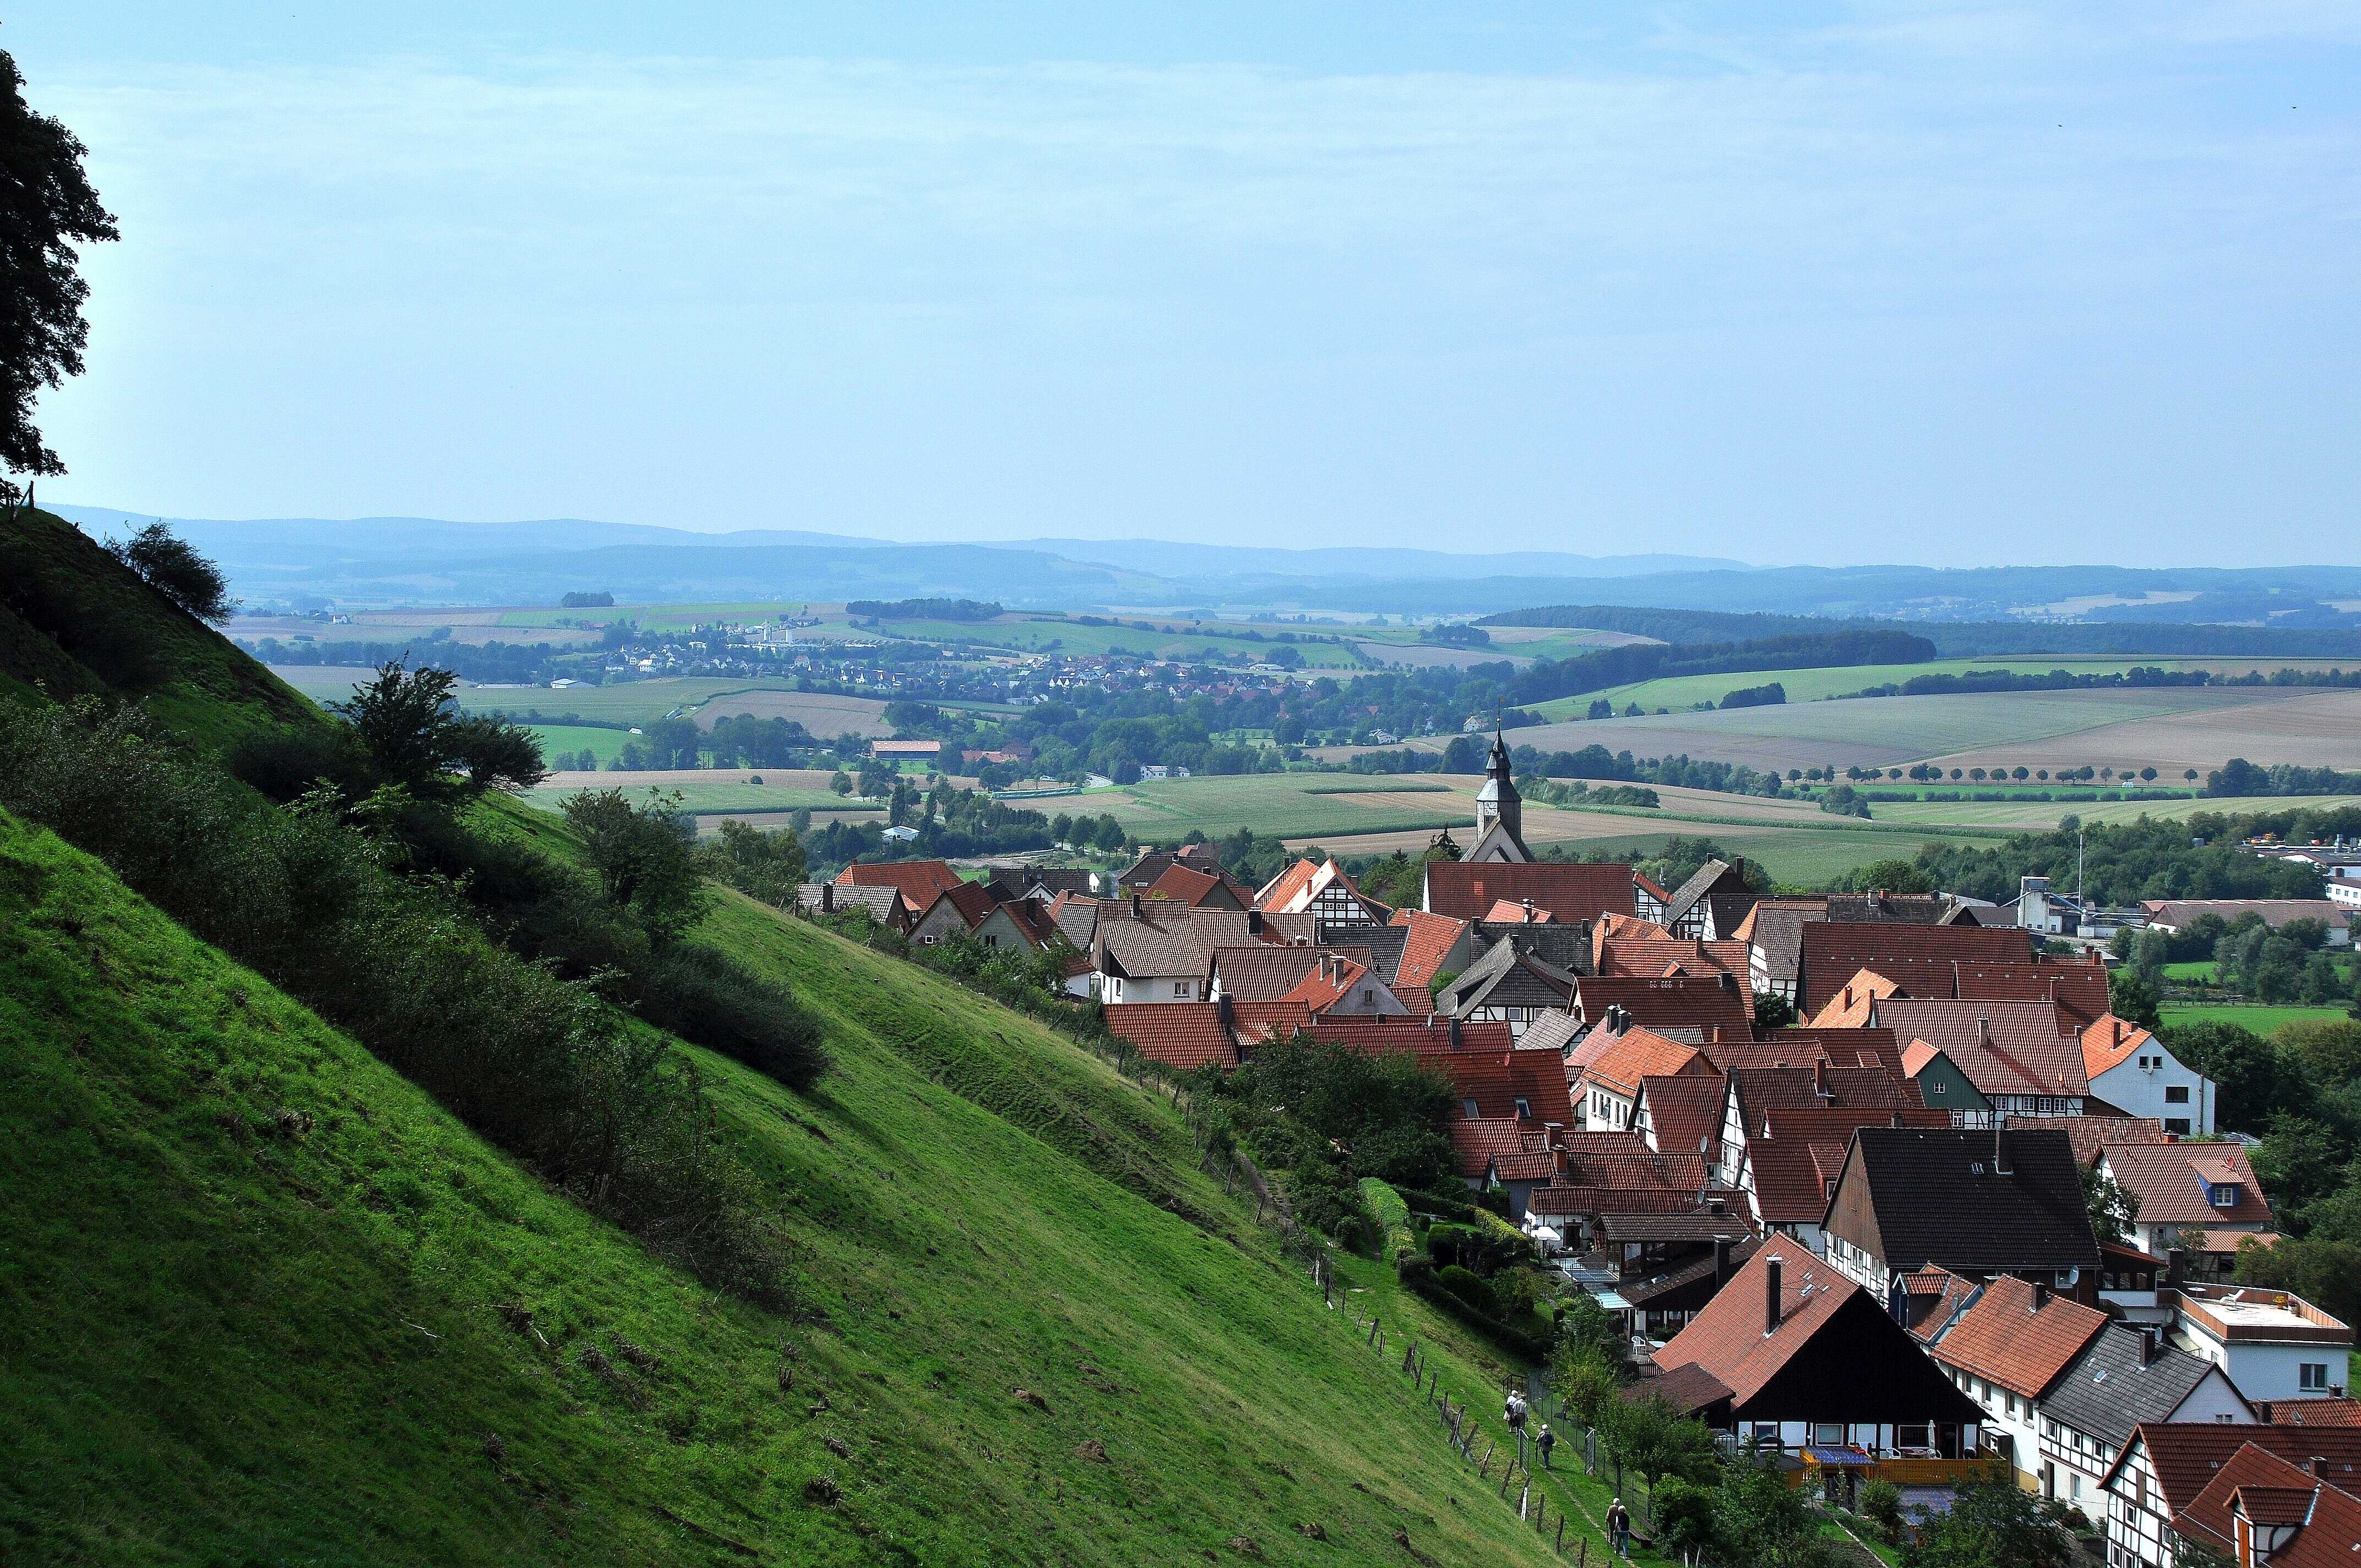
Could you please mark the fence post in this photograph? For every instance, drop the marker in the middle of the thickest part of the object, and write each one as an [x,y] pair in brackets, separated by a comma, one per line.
[1524,1499]
[1483,1471]
[1561,1532]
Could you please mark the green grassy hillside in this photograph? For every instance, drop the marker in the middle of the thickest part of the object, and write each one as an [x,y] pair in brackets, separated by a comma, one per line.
[260,1301]
[74,622]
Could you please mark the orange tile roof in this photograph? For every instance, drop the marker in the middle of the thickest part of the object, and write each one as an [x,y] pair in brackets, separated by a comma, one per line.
[2166,1179]
[1282,888]
[1639,1053]
[2188,1457]
[1636,948]
[1184,886]
[1184,1035]
[2110,1042]
[2004,1339]
[1851,1006]
[1327,984]
[1511,911]
[1431,939]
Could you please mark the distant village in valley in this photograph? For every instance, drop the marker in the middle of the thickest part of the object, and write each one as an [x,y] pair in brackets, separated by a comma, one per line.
[1881,1182]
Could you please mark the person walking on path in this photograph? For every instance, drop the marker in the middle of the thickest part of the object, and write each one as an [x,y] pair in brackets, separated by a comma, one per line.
[1619,1529]
[1548,1440]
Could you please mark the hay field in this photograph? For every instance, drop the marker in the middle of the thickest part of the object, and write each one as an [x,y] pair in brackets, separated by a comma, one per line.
[2318,728]
[2035,816]
[1985,727]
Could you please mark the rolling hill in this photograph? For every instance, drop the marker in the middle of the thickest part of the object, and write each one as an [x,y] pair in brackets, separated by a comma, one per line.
[263,1300]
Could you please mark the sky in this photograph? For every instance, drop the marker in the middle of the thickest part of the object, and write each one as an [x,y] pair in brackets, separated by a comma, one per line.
[1958,285]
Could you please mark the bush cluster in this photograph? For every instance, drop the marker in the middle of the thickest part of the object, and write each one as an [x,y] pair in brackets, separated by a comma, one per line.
[537,1063]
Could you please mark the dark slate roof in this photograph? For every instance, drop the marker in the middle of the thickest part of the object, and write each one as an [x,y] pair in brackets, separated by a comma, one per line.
[1561,944]
[1724,888]
[1383,943]
[1939,1198]
[2106,1392]
[1505,977]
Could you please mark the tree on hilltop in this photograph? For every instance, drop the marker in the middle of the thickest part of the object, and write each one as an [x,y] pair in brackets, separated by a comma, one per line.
[47,208]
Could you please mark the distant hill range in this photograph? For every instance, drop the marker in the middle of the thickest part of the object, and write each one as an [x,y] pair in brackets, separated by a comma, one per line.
[310,563]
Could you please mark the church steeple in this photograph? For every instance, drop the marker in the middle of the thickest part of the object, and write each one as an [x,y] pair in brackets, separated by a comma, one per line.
[1498,801]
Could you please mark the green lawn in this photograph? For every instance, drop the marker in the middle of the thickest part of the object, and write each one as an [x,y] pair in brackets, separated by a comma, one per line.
[264,1301]
[2261,1019]
[2203,972]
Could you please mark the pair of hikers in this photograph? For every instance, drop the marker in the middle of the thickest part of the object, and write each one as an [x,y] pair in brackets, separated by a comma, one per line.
[1619,1529]
[1512,1411]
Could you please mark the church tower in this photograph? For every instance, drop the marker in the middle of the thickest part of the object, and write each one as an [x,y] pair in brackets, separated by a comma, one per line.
[1499,810]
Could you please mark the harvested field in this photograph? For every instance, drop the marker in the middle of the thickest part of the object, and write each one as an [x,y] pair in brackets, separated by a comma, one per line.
[825,715]
[1984,728]
[2312,729]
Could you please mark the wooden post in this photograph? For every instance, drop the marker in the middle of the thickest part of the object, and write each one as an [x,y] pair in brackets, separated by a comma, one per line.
[1561,1532]
[1582,1552]
[1524,1500]
[1483,1471]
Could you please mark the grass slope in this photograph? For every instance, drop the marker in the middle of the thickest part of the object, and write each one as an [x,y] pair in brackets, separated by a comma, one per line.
[251,1300]
[74,622]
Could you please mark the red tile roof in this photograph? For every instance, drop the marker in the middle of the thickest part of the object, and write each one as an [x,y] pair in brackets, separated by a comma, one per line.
[2344,1412]
[1466,889]
[2090,1134]
[1726,1337]
[1685,1112]
[1495,1079]
[1328,984]
[919,881]
[2169,1180]
[1508,912]
[970,901]
[1695,1001]
[1797,1152]
[2003,1047]
[2187,1456]
[1638,954]
[1182,885]
[1802,1047]
[2004,1339]
[1182,1034]
[1832,952]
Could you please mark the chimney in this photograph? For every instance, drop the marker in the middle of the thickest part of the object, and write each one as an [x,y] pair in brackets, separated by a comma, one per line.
[2000,1149]
[1138,907]
[1770,1297]
[1253,922]
[1984,1028]
[2147,1345]
[1720,1264]
[2119,1030]
[1225,1008]
[1895,1120]
[2176,1268]
[827,898]
[1455,1033]
[2040,1295]
[1820,1078]
[1847,996]
[2319,1468]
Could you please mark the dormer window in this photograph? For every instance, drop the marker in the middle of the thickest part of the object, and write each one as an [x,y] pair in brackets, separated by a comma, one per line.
[1524,1106]
[2226,1197]
[1468,1107]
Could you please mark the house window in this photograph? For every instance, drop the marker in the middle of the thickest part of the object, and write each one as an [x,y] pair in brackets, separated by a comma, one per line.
[2313,1375]
[1524,1106]
[1180,987]
[2177,1125]
[1827,1432]
[2226,1197]
[2177,1095]
[1469,1106]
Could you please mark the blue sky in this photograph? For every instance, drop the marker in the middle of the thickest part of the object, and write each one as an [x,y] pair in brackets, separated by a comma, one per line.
[1961,285]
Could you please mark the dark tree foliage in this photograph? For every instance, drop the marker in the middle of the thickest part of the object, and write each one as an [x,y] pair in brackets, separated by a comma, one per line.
[645,855]
[1993,1524]
[170,565]
[47,208]
[417,738]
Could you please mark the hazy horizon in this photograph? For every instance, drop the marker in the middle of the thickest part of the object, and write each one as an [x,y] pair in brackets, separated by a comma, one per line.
[1945,286]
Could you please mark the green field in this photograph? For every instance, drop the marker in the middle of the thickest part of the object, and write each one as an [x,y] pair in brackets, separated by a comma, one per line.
[2262,1020]
[719,797]
[1273,805]
[2203,972]
[602,742]
[1678,693]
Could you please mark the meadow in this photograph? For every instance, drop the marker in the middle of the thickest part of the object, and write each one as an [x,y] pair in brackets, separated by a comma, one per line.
[2260,1019]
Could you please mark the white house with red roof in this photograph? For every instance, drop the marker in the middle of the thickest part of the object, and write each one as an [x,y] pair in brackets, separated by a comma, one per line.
[2131,1070]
